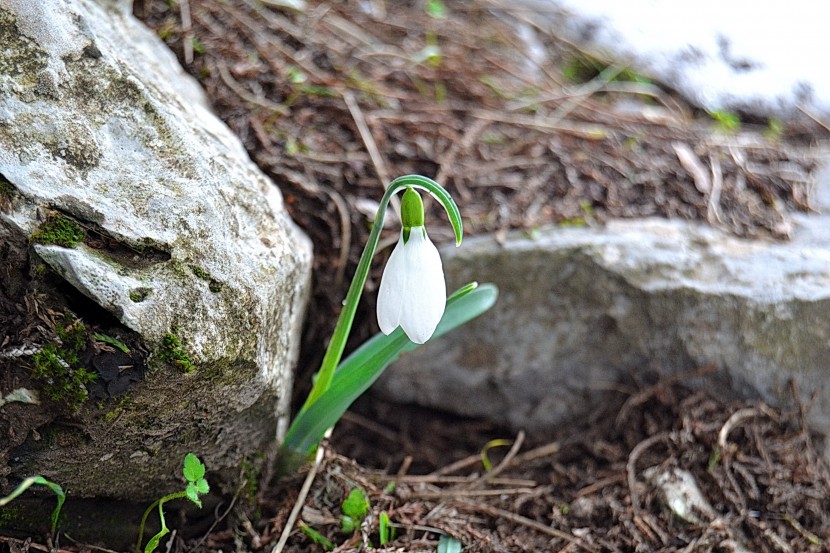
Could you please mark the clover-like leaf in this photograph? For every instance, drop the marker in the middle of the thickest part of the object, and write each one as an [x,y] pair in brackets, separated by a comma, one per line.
[193,468]
[202,486]
[193,494]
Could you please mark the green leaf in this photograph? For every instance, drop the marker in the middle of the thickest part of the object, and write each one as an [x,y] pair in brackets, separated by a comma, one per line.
[193,468]
[485,459]
[154,541]
[193,494]
[363,367]
[448,544]
[32,480]
[436,9]
[347,524]
[356,504]
[316,537]
[384,530]
[202,486]
[111,341]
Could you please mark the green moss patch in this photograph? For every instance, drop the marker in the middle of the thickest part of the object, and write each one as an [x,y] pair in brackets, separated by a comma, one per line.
[213,284]
[173,352]
[139,294]
[58,368]
[59,230]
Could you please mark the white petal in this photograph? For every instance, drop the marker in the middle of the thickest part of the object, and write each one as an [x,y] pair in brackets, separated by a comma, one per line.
[426,294]
[393,284]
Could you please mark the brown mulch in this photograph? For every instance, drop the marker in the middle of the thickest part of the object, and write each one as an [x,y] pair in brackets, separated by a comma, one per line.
[586,488]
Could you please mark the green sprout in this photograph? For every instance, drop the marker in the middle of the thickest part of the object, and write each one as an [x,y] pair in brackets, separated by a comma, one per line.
[316,537]
[775,130]
[436,9]
[338,384]
[197,45]
[485,459]
[386,532]
[354,508]
[139,295]
[31,481]
[115,342]
[295,75]
[194,472]
[583,68]
[726,121]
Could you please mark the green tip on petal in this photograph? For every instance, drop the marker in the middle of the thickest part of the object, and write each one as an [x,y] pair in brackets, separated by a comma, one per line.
[412,209]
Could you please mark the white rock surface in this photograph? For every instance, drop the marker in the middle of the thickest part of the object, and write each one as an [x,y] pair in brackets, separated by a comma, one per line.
[98,122]
[581,308]
[763,57]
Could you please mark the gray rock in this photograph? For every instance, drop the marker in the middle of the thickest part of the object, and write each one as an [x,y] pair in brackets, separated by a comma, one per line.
[582,307]
[99,123]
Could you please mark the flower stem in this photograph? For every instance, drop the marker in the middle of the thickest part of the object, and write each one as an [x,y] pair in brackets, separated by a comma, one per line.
[157,503]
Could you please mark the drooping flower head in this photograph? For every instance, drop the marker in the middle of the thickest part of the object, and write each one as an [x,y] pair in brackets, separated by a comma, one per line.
[412,291]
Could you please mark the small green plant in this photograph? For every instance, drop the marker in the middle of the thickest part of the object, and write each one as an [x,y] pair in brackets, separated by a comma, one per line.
[197,45]
[115,342]
[39,480]
[726,121]
[386,532]
[581,220]
[316,537]
[173,352]
[295,75]
[436,9]
[194,473]
[354,508]
[485,459]
[59,230]
[412,308]
[775,130]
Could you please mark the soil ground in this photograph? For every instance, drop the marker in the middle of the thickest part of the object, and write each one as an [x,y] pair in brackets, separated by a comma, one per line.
[334,101]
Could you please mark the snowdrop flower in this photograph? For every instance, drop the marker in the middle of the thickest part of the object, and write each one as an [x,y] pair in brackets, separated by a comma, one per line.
[412,291]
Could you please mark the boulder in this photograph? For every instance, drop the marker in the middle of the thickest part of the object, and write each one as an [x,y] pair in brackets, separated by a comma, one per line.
[582,308]
[178,236]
